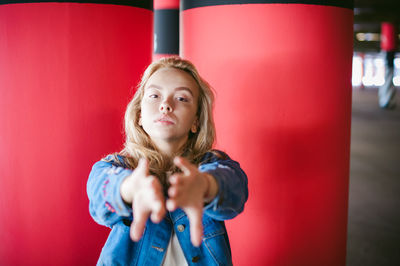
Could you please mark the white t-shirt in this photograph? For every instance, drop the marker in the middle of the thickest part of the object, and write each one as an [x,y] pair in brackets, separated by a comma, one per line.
[174,255]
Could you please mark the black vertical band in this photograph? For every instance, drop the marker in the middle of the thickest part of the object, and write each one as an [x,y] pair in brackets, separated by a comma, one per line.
[166,31]
[146,4]
[188,4]
[389,58]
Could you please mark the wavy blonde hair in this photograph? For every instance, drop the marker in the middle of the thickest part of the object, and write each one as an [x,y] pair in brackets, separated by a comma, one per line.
[138,143]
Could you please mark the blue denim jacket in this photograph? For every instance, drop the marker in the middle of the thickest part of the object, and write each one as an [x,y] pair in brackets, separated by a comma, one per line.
[107,208]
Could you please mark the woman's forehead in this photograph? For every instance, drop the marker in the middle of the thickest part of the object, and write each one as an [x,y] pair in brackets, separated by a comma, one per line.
[172,77]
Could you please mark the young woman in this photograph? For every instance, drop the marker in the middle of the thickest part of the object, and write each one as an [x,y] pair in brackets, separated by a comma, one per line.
[167,193]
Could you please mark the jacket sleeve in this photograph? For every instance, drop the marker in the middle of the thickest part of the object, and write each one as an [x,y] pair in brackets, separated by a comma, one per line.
[103,188]
[232,187]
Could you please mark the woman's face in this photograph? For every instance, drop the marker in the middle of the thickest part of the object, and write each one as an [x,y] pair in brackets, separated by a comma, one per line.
[169,106]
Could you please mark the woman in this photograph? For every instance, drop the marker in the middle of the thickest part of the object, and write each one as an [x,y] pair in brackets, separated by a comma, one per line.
[169,173]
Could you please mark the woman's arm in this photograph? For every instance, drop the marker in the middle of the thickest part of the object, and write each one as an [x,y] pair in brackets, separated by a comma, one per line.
[232,187]
[106,205]
[113,189]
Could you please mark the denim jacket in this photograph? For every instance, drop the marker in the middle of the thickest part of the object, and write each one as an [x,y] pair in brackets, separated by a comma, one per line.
[107,208]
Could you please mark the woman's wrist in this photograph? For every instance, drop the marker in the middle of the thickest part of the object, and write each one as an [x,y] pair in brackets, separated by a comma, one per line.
[126,190]
[207,190]
[211,188]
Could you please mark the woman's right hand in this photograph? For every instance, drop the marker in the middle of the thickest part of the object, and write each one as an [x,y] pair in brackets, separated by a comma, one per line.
[145,194]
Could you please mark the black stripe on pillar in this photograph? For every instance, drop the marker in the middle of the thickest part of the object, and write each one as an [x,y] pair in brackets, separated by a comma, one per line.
[166,31]
[188,4]
[146,4]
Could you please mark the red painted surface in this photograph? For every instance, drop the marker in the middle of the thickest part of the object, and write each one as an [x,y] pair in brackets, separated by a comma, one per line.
[166,4]
[66,75]
[282,76]
[388,36]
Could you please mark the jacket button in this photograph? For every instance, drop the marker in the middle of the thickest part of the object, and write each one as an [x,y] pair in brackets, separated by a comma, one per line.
[195,259]
[181,227]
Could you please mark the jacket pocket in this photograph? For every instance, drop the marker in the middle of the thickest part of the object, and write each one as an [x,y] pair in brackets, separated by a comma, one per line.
[217,243]
[119,249]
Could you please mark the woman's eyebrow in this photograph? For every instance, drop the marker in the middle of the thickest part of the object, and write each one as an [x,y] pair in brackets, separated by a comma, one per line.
[184,89]
[154,86]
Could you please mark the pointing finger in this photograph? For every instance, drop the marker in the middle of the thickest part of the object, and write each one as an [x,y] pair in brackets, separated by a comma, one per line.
[171,205]
[195,216]
[175,179]
[138,224]
[158,212]
[184,165]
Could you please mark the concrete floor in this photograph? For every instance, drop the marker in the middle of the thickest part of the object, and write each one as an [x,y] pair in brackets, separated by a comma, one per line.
[374,199]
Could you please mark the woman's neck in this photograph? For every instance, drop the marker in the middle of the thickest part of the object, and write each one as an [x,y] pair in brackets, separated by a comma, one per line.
[169,149]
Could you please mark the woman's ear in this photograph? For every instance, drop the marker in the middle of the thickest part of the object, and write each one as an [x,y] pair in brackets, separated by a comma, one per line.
[140,120]
[193,129]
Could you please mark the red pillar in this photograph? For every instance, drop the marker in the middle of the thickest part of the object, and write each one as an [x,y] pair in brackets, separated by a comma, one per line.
[282,76]
[388,37]
[66,74]
[166,28]
[387,92]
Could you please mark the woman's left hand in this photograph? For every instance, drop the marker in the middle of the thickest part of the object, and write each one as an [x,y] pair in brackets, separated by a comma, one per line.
[189,190]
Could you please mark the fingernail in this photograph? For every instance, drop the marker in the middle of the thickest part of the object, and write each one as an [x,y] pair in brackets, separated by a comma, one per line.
[154,218]
[197,243]
[170,205]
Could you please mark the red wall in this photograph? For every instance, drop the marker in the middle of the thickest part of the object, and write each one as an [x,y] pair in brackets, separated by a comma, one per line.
[66,74]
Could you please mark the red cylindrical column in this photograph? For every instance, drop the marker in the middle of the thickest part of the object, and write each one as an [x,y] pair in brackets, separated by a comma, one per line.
[66,74]
[387,92]
[388,36]
[166,28]
[282,76]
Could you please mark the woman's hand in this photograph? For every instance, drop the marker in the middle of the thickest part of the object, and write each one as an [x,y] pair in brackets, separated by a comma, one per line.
[189,190]
[145,194]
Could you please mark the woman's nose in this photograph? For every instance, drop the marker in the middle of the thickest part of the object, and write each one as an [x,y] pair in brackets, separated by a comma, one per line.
[165,107]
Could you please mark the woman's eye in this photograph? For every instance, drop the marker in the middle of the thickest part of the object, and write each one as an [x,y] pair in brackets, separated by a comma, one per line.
[153,96]
[182,99]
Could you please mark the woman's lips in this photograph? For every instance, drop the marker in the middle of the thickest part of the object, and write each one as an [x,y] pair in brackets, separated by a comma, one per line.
[165,120]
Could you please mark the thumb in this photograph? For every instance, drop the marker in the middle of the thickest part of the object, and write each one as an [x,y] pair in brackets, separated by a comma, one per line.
[143,166]
[195,216]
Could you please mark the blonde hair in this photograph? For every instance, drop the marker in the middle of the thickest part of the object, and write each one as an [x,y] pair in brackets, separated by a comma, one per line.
[138,144]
